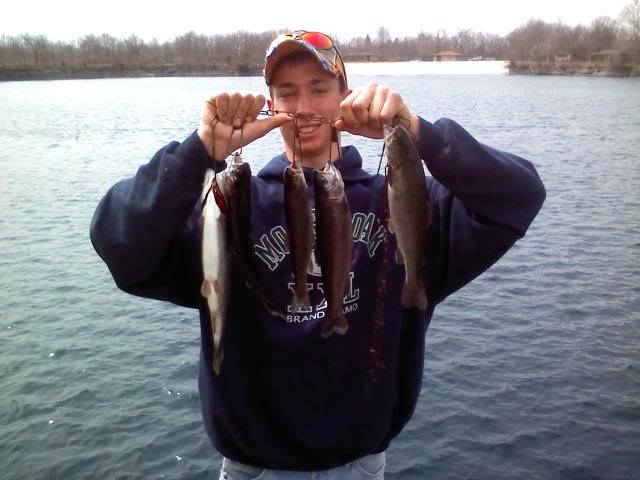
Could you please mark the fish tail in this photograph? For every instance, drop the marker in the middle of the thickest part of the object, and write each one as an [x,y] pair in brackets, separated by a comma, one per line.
[300,302]
[218,356]
[334,324]
[268,305]
[326,328]
[341,325]
[413,295]
[253,283]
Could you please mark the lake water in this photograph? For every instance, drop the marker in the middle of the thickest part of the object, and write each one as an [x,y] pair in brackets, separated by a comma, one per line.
[484,67]
[532,371]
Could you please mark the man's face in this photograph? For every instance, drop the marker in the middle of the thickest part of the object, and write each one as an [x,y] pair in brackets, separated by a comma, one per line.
[306,88]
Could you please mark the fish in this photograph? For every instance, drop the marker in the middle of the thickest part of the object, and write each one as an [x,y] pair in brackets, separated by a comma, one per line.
[334,245]
[238,192]
[238,189]
[409,212]
[215,259]
[299,220]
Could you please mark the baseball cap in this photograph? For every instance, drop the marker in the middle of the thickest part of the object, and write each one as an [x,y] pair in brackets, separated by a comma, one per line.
[317,43]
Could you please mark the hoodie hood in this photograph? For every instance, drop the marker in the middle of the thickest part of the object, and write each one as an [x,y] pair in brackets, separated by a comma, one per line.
[349,165]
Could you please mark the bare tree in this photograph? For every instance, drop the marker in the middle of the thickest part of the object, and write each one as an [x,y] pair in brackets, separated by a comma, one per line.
[243,52]
[602,34]
[383,35]
[630,19]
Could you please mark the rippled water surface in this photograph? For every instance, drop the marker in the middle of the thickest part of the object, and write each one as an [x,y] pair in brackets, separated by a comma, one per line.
[531,371]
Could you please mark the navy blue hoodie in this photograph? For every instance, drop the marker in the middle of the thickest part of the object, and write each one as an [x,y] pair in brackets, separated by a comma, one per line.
[286,398]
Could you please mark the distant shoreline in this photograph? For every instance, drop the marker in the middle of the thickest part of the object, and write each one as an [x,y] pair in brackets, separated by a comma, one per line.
[573,69]
[109,72]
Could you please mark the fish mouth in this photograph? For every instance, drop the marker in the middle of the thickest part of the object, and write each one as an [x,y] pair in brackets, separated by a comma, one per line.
[388,130]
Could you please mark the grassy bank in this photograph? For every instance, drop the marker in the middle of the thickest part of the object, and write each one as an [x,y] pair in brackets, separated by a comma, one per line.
[574,68]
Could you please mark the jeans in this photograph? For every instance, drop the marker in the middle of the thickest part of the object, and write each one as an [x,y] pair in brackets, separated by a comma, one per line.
[365,468]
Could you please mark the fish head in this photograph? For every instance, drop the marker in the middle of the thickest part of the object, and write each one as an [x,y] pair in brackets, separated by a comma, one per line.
[330,180]
[294,174]
[237,173]
[399,144]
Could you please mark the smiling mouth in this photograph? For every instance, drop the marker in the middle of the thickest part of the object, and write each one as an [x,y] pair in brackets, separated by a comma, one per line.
[309,128]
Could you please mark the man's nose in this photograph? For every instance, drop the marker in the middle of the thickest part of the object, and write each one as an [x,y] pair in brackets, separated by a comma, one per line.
[304,104]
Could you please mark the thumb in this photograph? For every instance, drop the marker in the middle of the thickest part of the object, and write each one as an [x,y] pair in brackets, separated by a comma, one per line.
[341,125]
[265,125]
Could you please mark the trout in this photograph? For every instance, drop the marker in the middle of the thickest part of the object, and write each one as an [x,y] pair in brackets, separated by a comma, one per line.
[215,260]
[409,211]
[238,192]
[334,245]
[299,220]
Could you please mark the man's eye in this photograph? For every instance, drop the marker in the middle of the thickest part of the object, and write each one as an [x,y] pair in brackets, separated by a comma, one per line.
[286,94]
[319,91]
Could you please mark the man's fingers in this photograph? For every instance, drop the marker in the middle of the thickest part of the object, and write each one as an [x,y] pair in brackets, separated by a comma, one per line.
[362,103]
[245,104]
[346,108]
[234,103]
[377,104]
[210,111]
[222,105]
[264,126]
[258,103]
[275,121]
[392,107]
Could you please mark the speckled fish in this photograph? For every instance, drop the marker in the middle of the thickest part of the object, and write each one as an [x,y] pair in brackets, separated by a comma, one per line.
[334,244]
[299,220]
[238,194]
[215,259]
[409,211]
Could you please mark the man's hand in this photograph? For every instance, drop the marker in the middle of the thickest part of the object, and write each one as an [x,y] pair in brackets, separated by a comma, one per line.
[365,110]
[225,115]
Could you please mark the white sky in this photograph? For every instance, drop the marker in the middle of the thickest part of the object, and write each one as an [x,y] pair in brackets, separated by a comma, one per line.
[71,19]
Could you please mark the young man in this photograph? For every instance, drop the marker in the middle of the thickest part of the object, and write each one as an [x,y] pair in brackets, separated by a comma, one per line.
[287,401]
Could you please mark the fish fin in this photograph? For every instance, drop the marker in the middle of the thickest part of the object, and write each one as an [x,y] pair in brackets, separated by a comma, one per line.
[275,313]
[267,304]
[399,259]
[414,296]
[300,302]
[218,356]
[332,325]
[326,328]
[205,289]
[341,326]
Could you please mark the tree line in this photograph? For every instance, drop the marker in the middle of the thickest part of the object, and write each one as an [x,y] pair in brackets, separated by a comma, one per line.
[236,51]
[243,52]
